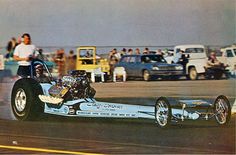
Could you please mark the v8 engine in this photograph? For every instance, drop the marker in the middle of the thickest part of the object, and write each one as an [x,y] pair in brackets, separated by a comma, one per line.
[73,86]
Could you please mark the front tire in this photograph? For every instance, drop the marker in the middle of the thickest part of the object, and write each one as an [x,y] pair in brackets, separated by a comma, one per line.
[25,103]
[192,74]
[163,112]
[222,110]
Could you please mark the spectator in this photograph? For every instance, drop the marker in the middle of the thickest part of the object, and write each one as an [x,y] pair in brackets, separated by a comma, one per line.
[123,52]
[11,45]
[23,54]
[130,52]
[71,59]
[146,51]
[159,52]
[112,61]
[117,54]
[233,72]
[41,55]
[19,40]
[88,54]
[60,61]
[214,67]
[213,61]
[137,51]
[181,58]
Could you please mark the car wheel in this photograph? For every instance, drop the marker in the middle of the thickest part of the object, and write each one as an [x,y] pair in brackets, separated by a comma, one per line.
[163,112]
[192,75]
[25,103]
[146,75]
[222,110]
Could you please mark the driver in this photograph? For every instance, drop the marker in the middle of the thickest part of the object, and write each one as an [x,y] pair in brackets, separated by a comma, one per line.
[40,76]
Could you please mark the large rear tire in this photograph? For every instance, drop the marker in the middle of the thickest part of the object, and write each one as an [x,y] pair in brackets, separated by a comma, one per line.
[222,110]
[25,102]
[163,112]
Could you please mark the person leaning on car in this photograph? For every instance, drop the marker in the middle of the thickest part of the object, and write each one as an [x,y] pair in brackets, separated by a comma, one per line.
[213,61]
[23,54]
[181,58]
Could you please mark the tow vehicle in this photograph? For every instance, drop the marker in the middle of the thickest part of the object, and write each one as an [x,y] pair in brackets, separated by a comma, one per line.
[228,57]
[73,96]
[88,60]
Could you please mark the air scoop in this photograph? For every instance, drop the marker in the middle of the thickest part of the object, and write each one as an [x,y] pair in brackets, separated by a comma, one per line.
[50,99]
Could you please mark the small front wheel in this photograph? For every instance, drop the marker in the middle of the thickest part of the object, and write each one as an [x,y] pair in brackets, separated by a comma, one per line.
[222,110]
[163,112]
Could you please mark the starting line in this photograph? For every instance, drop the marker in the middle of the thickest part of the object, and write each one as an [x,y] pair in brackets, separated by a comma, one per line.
[45,150]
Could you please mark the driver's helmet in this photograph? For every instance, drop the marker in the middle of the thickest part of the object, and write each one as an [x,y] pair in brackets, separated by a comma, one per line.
[39,69]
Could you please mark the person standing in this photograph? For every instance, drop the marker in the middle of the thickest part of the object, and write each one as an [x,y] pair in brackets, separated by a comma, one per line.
[112,61]
[23,53]
[137,51]
[60,61]
[146,51]
[71,61]
[130,52]
[123,52]
[182,59]
[159,52]
[11,45]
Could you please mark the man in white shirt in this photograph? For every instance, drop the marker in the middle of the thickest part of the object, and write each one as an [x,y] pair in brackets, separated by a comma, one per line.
[23,54]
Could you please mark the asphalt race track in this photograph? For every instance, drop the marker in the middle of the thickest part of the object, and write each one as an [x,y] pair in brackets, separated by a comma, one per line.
[61,135]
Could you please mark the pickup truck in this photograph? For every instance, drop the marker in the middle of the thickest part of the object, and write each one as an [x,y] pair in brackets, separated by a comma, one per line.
[197,59]
[228,56]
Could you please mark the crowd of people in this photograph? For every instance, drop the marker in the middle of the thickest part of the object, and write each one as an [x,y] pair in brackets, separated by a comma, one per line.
[22,50]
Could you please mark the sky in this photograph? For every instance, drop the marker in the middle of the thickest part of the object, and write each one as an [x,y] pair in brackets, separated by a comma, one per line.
[119,22]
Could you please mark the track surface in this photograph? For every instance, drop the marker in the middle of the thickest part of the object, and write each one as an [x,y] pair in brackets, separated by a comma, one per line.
[50,134]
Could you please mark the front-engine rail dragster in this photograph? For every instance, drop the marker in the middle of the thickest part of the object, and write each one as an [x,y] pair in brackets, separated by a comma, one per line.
[73,96]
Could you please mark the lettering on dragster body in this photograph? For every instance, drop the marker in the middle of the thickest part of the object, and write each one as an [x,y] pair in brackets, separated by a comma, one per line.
[110,107]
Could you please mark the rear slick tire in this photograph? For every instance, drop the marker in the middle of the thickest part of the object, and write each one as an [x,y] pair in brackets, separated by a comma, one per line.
[25,102]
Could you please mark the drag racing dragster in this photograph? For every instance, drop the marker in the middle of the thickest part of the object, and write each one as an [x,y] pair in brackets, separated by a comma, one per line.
[72,95]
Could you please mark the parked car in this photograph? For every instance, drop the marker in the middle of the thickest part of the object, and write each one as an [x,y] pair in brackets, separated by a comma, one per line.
[149,66]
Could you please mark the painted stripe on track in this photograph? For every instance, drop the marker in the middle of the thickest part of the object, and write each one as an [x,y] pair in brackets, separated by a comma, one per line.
[44,150]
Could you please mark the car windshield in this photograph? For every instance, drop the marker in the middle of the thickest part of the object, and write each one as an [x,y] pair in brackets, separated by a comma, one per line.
[194,50]
[153,59]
